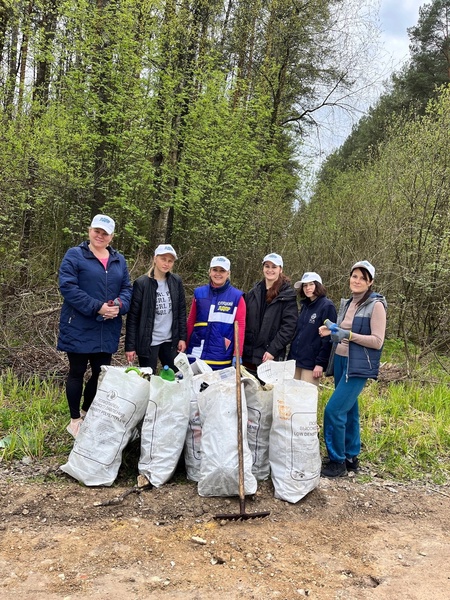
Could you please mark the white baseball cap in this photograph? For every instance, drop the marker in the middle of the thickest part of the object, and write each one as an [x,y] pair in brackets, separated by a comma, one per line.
[308,277]
[103,222]
[220,261]
[365,264]
[276,259]
[165,249]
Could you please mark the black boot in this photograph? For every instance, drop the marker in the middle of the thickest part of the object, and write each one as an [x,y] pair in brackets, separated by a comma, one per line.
[334,469]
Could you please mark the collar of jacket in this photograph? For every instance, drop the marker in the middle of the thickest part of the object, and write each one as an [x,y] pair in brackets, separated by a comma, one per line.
[222,288]
[89,254]
[373,296]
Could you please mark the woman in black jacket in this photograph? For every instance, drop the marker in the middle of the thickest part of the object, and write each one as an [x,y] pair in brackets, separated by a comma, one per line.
[156,322]
[271,315]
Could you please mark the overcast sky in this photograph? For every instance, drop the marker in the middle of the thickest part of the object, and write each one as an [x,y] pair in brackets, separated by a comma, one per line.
[392,19]
[395,17]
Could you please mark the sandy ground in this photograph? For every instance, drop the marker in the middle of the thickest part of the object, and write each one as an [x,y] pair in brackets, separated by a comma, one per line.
[354,538]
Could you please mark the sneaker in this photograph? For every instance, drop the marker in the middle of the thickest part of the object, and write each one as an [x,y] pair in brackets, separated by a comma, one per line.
[334,469]
[74,427]
[352,464]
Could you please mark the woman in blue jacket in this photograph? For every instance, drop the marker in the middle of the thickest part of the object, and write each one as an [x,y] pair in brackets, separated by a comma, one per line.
[308,349]
[214,309]
[96,287]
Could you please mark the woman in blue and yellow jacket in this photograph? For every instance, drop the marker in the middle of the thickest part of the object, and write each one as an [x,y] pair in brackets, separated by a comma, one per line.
[215,308]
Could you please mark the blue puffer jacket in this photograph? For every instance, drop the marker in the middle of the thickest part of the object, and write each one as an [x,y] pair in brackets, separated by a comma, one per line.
[85,285]
[308,348]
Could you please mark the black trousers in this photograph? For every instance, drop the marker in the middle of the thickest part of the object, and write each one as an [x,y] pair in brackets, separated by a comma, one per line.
[78,364]
[166,353]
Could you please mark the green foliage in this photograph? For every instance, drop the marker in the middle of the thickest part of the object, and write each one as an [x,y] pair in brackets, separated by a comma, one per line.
[407,93]
[406,431]
[405,425]
[395,212]
[31,413]
[183,120]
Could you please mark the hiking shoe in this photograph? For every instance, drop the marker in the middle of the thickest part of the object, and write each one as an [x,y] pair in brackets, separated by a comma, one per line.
[334,469]
[352,464]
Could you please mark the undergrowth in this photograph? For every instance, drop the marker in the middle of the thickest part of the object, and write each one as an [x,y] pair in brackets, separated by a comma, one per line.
[405,423]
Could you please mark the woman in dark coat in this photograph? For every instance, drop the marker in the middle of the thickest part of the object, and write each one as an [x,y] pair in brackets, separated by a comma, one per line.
[271,315]
[96,287]
[156,323]
[310,351]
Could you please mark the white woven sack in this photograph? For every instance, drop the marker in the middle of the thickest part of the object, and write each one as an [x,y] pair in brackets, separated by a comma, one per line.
[192,455]
[192,447]
[192,443]
[219,470]
[164,429]
[118,407]
[259,401]
[294,444]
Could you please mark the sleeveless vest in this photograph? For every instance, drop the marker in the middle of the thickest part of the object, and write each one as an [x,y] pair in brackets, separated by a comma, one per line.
[362,361]
[212,339]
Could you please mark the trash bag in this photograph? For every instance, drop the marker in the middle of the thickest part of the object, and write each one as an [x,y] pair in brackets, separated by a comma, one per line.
[192,450]
[164,428]
[219,469]
[118,407]
[259,400]
[294,451]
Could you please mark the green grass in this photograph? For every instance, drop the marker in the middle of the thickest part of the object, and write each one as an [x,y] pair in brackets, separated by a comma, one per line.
[405,425]
[33,417]
[406,430]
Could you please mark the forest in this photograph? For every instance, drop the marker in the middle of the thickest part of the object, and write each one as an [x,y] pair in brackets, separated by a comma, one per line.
[185,120]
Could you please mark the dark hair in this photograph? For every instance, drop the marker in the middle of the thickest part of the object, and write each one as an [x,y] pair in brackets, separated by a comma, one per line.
[320,290]
[367,277]
[273,291]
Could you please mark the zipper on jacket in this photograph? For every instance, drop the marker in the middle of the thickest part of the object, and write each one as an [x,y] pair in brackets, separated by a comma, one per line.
[367,356]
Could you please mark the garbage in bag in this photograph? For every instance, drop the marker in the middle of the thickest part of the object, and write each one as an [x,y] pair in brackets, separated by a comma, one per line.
[219,469]
[294,452]
[164,428]
[118,407]
[259,400]
[192,450]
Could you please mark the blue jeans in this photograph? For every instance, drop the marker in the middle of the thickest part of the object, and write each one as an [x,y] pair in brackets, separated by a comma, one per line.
[341,416]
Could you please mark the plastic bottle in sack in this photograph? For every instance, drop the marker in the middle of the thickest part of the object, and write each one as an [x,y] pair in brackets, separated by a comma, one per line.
[167,373]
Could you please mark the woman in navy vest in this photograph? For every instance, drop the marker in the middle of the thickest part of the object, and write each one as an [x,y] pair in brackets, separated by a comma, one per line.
[358,338]
[310,351]
[271,315]
[215,308]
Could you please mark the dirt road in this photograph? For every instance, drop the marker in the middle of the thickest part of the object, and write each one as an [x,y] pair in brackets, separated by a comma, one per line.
[347,539]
